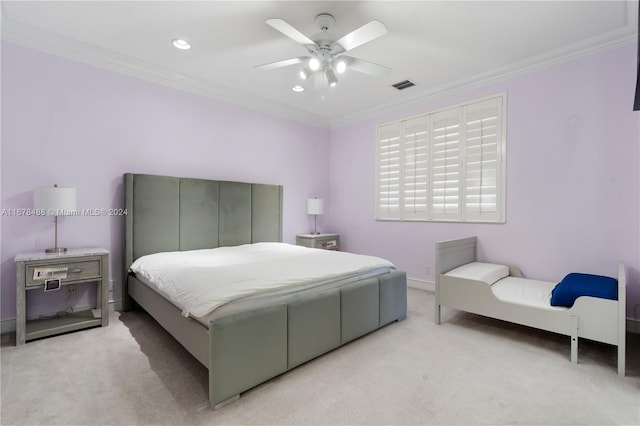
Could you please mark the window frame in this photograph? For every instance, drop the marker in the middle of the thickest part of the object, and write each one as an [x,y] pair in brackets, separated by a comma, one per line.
[465,211]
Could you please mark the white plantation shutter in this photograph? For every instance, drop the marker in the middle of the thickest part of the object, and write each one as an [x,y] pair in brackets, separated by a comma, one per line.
[415,168]
[444,166]
[388,172]
[483,166]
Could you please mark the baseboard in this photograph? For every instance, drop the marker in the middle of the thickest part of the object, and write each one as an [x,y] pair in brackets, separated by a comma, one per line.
[115,305]
[633,326]
[422,285]
[9,325]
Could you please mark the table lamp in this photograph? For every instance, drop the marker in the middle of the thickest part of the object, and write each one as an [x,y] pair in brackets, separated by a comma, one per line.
[315,206]
[55,202]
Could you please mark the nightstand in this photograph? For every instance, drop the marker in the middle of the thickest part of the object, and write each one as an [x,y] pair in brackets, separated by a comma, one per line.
[322,241]
[73,267]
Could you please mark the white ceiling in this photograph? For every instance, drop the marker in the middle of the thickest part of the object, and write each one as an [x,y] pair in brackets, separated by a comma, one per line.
[441,45]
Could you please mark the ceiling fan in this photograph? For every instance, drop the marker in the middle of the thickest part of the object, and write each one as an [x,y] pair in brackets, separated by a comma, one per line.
[326,54]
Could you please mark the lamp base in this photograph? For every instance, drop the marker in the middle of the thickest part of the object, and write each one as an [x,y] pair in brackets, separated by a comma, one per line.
[57,250]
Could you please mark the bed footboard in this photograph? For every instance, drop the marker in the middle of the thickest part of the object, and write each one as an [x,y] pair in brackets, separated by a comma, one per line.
[245,350]
[249,348]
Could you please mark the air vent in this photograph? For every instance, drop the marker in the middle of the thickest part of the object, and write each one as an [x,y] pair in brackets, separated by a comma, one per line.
[404,84]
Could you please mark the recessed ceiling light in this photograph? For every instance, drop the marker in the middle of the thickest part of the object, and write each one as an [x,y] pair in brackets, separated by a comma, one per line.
[181,44]
[298,89]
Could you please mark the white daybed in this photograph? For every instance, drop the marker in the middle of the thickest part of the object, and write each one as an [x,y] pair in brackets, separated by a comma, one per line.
[602,320]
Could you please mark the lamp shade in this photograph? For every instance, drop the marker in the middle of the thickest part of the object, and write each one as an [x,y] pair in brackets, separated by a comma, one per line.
[56,201]
[315,206]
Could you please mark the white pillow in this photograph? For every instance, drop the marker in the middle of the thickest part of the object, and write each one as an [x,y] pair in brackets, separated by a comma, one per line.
[485,272]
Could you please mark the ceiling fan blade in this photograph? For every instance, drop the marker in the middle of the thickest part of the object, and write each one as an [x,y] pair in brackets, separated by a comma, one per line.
[366,67]
[362,35]
[290,31]
[283,63]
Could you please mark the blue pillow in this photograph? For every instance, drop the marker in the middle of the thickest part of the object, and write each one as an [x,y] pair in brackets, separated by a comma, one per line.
[575,285]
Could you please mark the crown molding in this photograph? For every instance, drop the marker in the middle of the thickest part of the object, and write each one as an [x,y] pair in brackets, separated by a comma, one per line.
[625,35]
[570,53]
[58,45]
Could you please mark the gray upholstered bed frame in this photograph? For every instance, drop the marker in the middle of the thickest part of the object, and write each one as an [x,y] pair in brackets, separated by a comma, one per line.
[245,348]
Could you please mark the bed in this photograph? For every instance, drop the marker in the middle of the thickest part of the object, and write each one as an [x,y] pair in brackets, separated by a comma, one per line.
[464,284]
[248,340]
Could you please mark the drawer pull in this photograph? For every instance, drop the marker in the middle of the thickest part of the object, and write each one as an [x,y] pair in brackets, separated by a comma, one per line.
[76,271]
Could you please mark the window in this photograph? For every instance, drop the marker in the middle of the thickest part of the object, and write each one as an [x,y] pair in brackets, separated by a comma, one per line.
[446,165]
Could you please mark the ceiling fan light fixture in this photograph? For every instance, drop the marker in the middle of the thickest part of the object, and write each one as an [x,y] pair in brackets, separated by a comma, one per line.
[181,44]
[331,77]
[326,56]
[314,64]
[297,88]
[306,73]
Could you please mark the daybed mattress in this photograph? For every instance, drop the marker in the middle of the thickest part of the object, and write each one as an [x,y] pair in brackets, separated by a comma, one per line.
[522,291]
[203,282]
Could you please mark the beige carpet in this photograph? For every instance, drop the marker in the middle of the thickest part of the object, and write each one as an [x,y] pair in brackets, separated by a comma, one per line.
[469,370]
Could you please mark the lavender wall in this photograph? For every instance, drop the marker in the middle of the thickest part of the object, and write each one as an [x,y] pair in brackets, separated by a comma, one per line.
[75,125]
[573,192]
[572,178]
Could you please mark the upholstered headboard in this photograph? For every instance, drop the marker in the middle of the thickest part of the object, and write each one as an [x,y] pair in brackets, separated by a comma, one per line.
[171,213]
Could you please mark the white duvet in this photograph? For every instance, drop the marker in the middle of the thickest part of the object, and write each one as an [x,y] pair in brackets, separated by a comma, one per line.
[198,281]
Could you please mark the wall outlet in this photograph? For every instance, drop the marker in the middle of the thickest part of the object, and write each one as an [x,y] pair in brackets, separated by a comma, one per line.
[71,289]
[427,269]
[113,284]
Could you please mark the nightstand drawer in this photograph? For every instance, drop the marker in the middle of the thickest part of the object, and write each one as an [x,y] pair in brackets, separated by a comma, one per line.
[320,241]
[331,244]
[85,270]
